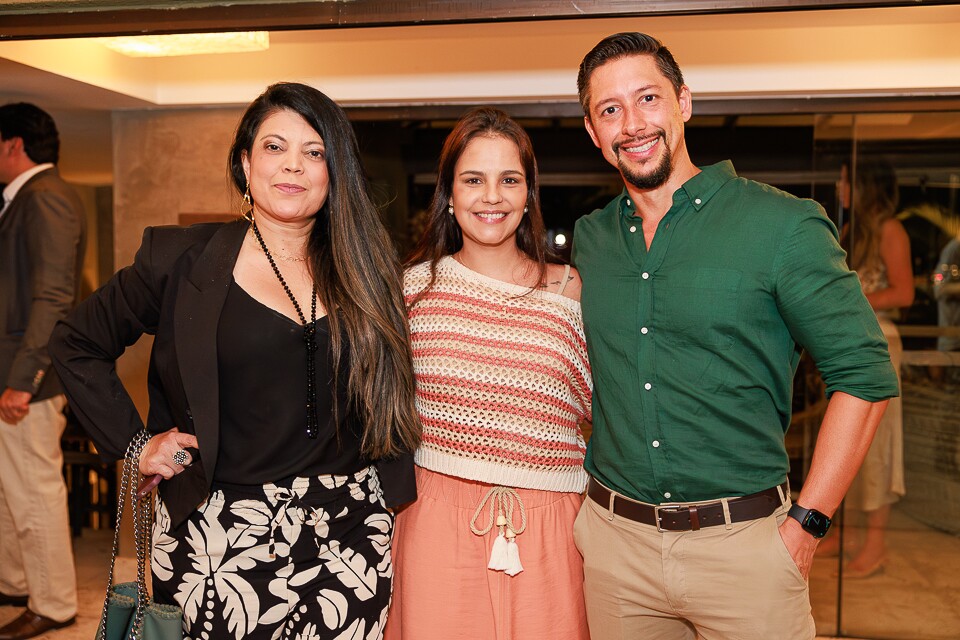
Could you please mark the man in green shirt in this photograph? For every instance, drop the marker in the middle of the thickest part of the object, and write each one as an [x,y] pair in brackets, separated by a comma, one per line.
[699,290]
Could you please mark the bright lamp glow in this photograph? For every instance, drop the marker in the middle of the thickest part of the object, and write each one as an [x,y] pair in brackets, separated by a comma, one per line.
[560,240]
[189,44]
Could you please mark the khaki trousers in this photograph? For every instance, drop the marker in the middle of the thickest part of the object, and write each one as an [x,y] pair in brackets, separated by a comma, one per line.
[719,583]
[36,553]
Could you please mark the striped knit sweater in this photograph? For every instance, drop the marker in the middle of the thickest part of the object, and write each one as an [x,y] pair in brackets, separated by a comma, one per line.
[502,380]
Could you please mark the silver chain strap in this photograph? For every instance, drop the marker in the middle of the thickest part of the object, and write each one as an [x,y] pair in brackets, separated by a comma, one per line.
[142,513]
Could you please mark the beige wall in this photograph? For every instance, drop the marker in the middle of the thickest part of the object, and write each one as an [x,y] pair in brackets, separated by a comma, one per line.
[165,163]
[88,196]
[168,162]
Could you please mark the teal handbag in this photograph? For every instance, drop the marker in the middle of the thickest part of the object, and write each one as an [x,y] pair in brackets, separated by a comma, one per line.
[128,612]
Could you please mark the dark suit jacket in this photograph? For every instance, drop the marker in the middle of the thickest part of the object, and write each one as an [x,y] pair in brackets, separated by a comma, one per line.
[42,239]
[175,291]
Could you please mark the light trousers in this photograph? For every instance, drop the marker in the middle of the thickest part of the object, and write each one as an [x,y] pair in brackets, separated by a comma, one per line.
[36,553]
[718,583]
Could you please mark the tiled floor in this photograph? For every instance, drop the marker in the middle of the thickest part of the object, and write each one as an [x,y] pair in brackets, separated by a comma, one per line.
[914,599]
[92,553]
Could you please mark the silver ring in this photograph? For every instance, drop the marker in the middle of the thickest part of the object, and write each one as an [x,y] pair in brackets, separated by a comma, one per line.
[180,457]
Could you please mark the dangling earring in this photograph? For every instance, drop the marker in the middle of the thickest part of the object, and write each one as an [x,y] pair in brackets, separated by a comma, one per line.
[526,209]
[450,209]
[246,207]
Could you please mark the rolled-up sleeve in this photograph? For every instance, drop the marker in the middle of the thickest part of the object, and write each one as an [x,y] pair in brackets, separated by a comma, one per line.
[824,308]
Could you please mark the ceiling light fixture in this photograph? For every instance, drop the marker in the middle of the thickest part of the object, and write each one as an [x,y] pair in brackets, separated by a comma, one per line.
[189,44]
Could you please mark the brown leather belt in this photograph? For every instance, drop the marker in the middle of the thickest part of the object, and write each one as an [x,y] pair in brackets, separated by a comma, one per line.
[689,517]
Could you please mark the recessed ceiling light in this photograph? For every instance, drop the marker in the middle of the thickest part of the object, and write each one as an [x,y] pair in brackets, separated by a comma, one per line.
[189,44]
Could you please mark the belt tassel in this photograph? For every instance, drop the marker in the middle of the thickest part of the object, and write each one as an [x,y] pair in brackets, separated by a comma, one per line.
[505,554]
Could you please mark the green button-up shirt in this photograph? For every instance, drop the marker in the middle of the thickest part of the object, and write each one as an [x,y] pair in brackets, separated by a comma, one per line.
[694,343]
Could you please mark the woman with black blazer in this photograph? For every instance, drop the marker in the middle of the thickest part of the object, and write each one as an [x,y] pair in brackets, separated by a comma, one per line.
[281,355]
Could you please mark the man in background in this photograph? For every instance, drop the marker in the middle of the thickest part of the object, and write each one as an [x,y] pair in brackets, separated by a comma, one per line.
[42,228]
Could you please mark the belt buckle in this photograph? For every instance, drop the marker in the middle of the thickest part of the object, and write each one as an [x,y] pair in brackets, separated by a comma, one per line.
[672,507]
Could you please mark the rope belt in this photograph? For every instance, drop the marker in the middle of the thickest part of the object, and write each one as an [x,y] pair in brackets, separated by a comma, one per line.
[505,555]
[293,509]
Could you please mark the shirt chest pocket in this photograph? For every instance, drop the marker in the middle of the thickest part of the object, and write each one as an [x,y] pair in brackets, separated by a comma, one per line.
[700,306]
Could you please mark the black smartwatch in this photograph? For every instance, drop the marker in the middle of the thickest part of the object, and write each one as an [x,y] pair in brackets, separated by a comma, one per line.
[812,521]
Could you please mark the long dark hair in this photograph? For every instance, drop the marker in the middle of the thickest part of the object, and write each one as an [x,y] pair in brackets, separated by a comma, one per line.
[443,236]
[356,271]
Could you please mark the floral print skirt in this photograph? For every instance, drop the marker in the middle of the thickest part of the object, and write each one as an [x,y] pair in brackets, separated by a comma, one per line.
[306,560]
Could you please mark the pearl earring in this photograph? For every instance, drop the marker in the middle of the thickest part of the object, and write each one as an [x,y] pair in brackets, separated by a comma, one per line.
[450,209]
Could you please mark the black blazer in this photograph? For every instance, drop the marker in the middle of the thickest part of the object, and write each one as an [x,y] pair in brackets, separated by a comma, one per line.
[41,257]
[175,291]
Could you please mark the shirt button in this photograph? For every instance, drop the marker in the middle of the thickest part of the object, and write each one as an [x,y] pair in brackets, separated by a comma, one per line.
[633,229]
[648,386]
[697,201]
[644,330]
[655,443]
[667,495]
[645,275]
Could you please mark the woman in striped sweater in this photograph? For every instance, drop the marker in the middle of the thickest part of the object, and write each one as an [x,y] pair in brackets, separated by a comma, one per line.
[502,385]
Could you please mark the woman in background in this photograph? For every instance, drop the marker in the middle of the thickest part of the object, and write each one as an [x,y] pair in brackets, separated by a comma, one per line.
[878,249]
[281,354]
[502,384]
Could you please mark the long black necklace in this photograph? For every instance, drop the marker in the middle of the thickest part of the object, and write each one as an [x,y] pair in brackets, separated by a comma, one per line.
[309,337]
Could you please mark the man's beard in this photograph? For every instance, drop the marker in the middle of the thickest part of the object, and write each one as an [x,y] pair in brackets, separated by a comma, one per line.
[655,178]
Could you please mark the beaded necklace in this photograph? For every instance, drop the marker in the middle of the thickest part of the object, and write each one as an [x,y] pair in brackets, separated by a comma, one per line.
[309,337]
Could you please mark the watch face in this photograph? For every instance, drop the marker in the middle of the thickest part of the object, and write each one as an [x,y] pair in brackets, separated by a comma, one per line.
[817,523]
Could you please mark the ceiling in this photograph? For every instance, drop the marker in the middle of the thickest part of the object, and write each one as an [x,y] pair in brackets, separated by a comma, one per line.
[777,56]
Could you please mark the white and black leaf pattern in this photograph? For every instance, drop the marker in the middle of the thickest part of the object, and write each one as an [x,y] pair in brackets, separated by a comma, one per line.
[319,519]
[351,568]
[356,492]
[332,482]
[375,493]
[385,566]
[380,538]
[380,625]
[380,541]
[190,592]
[255,512]
[309,632]
[253,516]
[163,543]
[333,606]
[241,602]
[354,631]
[209,542]
[273,492]
[279,587]
[342,594]
[376,631]
[305,576]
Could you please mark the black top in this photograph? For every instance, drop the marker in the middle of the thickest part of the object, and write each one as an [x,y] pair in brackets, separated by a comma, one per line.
[175,291]
[262,363]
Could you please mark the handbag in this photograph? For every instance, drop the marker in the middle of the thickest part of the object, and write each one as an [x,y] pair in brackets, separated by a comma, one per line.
[128,612]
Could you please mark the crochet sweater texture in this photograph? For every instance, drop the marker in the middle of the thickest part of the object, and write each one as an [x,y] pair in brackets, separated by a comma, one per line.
[502,379]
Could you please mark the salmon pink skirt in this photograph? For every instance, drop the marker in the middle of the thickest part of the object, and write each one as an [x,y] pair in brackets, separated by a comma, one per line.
[442,588]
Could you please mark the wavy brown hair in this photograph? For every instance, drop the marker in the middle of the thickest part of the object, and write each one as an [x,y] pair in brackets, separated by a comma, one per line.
[443,236]
[875,198]
[356,270]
